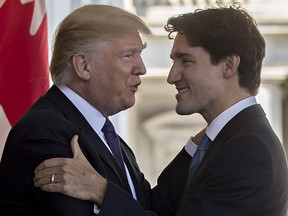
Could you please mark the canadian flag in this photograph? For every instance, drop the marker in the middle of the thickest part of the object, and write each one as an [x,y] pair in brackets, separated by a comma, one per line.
[24,72]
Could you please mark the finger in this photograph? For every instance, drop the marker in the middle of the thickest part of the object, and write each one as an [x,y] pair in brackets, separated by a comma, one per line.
[57,188]
[52,162]
[49,179]
[75,147]
[42,181]
[47,172]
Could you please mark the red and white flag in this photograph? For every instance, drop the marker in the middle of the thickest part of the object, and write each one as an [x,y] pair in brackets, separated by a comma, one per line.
[24,72]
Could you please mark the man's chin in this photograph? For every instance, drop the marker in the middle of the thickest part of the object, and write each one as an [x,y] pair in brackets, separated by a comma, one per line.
[181,111]
[129,104]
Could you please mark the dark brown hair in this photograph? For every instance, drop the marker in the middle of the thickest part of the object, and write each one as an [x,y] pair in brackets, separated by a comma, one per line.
[225,30]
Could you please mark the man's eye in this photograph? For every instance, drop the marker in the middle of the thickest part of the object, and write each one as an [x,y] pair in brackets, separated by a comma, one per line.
[185,61]
[128,56]
[125,56]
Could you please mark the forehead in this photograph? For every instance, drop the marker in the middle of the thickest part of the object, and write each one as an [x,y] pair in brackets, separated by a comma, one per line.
[127,42]
[180,43]
[181,48]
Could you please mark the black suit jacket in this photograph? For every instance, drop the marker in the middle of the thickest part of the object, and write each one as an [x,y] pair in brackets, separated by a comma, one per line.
[243,173]
[45,132]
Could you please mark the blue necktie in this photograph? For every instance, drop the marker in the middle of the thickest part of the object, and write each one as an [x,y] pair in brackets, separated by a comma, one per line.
[113,143]
[198,156]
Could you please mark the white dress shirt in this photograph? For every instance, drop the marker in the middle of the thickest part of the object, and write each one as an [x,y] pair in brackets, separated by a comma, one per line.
[220,121]
[97,122]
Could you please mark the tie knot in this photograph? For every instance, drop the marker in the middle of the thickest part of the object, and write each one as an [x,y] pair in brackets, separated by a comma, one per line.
[204,143]
[108,127]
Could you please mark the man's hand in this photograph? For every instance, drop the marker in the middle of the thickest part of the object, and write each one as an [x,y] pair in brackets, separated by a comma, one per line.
[74,177]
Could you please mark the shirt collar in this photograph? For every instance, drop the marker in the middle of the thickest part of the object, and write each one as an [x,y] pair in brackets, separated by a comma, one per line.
[221,120]
[85,108]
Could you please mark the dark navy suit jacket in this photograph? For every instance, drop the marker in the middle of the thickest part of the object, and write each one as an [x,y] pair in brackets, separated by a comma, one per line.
[45,132]
[244,173]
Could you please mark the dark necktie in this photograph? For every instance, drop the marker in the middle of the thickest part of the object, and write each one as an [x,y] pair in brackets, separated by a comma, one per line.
[198,156]
[113,143]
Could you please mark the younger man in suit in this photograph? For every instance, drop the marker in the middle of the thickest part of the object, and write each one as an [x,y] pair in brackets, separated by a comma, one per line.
[241,170]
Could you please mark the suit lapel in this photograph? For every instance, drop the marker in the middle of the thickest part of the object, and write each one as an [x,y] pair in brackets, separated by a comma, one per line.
[134,171]
[228,131]
[94,143]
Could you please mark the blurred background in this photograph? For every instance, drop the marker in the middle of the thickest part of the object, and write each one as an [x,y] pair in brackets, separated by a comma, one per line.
[152,128]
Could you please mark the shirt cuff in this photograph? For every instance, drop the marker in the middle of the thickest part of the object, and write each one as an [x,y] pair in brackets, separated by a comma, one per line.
[190,147]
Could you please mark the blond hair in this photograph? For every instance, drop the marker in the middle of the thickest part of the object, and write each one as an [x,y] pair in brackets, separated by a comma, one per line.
[84,29]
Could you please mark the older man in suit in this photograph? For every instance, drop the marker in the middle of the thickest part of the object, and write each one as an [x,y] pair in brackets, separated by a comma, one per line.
[96,68]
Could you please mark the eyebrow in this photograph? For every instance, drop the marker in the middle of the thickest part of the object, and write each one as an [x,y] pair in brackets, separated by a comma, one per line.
[181,55]
[134,50]
[137,49]
[144,45]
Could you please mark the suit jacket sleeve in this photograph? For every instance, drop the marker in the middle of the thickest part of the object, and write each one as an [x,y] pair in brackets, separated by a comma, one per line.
[117,202]
[44,132]
[171,185]
[39,140]
[42,142]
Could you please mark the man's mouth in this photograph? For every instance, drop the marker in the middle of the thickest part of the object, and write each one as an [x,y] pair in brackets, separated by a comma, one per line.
[180,90]
[135,87]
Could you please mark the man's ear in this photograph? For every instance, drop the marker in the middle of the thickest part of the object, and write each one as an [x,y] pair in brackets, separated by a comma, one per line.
[80,64]
[231,66]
